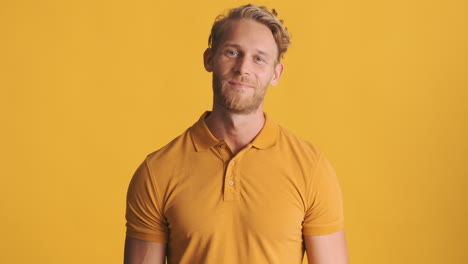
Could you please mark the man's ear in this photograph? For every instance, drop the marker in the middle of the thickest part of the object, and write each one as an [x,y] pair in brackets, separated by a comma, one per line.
[278,71]
[208,59]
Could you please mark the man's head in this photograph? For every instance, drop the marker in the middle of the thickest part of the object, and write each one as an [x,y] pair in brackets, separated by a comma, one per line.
[244,53]
[260,14]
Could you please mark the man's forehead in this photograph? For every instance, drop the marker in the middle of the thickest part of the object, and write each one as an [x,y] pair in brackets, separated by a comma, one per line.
[248,34]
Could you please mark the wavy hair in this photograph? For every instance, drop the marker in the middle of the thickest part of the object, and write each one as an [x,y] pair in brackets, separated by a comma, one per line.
[258,13]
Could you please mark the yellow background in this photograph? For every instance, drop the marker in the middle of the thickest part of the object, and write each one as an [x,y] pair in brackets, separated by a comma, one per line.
[88,88]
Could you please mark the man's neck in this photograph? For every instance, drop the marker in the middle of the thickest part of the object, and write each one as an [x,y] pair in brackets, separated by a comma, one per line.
[237,130]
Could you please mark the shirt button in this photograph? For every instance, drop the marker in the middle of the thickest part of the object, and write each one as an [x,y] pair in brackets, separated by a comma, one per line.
[232,163]
[231,182]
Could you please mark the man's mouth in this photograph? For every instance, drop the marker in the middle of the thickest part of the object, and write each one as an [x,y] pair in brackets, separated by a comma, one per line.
[240,84]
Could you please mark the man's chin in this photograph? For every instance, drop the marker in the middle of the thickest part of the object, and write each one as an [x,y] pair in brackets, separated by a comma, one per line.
[241,108]
[238,102]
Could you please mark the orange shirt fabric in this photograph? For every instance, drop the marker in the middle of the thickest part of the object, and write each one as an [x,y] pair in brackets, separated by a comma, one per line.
[213,207]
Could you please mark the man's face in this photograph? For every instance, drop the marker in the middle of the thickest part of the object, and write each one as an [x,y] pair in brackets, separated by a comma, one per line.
[243,66]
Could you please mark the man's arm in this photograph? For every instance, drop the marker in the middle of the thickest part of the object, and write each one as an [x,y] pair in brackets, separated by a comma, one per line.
[143,252]
[327,249]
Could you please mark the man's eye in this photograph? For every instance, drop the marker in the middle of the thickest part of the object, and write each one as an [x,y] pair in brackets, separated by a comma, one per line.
[259,59]
[232,53]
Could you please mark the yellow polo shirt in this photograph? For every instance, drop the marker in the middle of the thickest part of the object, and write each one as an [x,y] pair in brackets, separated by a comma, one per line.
[254,207]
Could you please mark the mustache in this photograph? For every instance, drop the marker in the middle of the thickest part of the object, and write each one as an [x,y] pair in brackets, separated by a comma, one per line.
[241,80]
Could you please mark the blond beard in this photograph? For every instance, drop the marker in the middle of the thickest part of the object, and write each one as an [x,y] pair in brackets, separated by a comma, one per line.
[233,100]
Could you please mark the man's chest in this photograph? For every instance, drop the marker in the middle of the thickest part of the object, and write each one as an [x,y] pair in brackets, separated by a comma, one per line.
[261,200]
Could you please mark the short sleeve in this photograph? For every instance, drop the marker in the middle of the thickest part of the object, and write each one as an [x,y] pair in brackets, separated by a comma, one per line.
[145,220]
[324,214]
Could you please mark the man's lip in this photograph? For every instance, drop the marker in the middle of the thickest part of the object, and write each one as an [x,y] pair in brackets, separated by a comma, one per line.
[235,83]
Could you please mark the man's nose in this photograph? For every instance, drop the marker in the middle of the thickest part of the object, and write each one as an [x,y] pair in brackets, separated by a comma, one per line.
[242,66]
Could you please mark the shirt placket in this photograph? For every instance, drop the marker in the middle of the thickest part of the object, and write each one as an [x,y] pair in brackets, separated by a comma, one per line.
[231,181]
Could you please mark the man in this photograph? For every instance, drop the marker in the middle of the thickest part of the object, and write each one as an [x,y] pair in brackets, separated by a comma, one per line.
[236,187]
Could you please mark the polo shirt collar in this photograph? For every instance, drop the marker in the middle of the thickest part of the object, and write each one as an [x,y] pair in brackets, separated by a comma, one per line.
[203,139]
[268,135]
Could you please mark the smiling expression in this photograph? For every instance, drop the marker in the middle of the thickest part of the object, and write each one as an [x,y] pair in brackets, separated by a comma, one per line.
[243,66]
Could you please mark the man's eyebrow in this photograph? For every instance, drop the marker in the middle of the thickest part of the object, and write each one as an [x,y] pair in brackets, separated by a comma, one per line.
[264,53]
[233,45]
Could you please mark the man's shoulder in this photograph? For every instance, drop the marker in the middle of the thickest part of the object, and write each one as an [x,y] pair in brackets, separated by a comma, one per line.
[172,149]
[297,145]
[298,153]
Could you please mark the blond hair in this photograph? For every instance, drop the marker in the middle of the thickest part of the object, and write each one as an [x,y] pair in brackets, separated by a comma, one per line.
[258,13]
